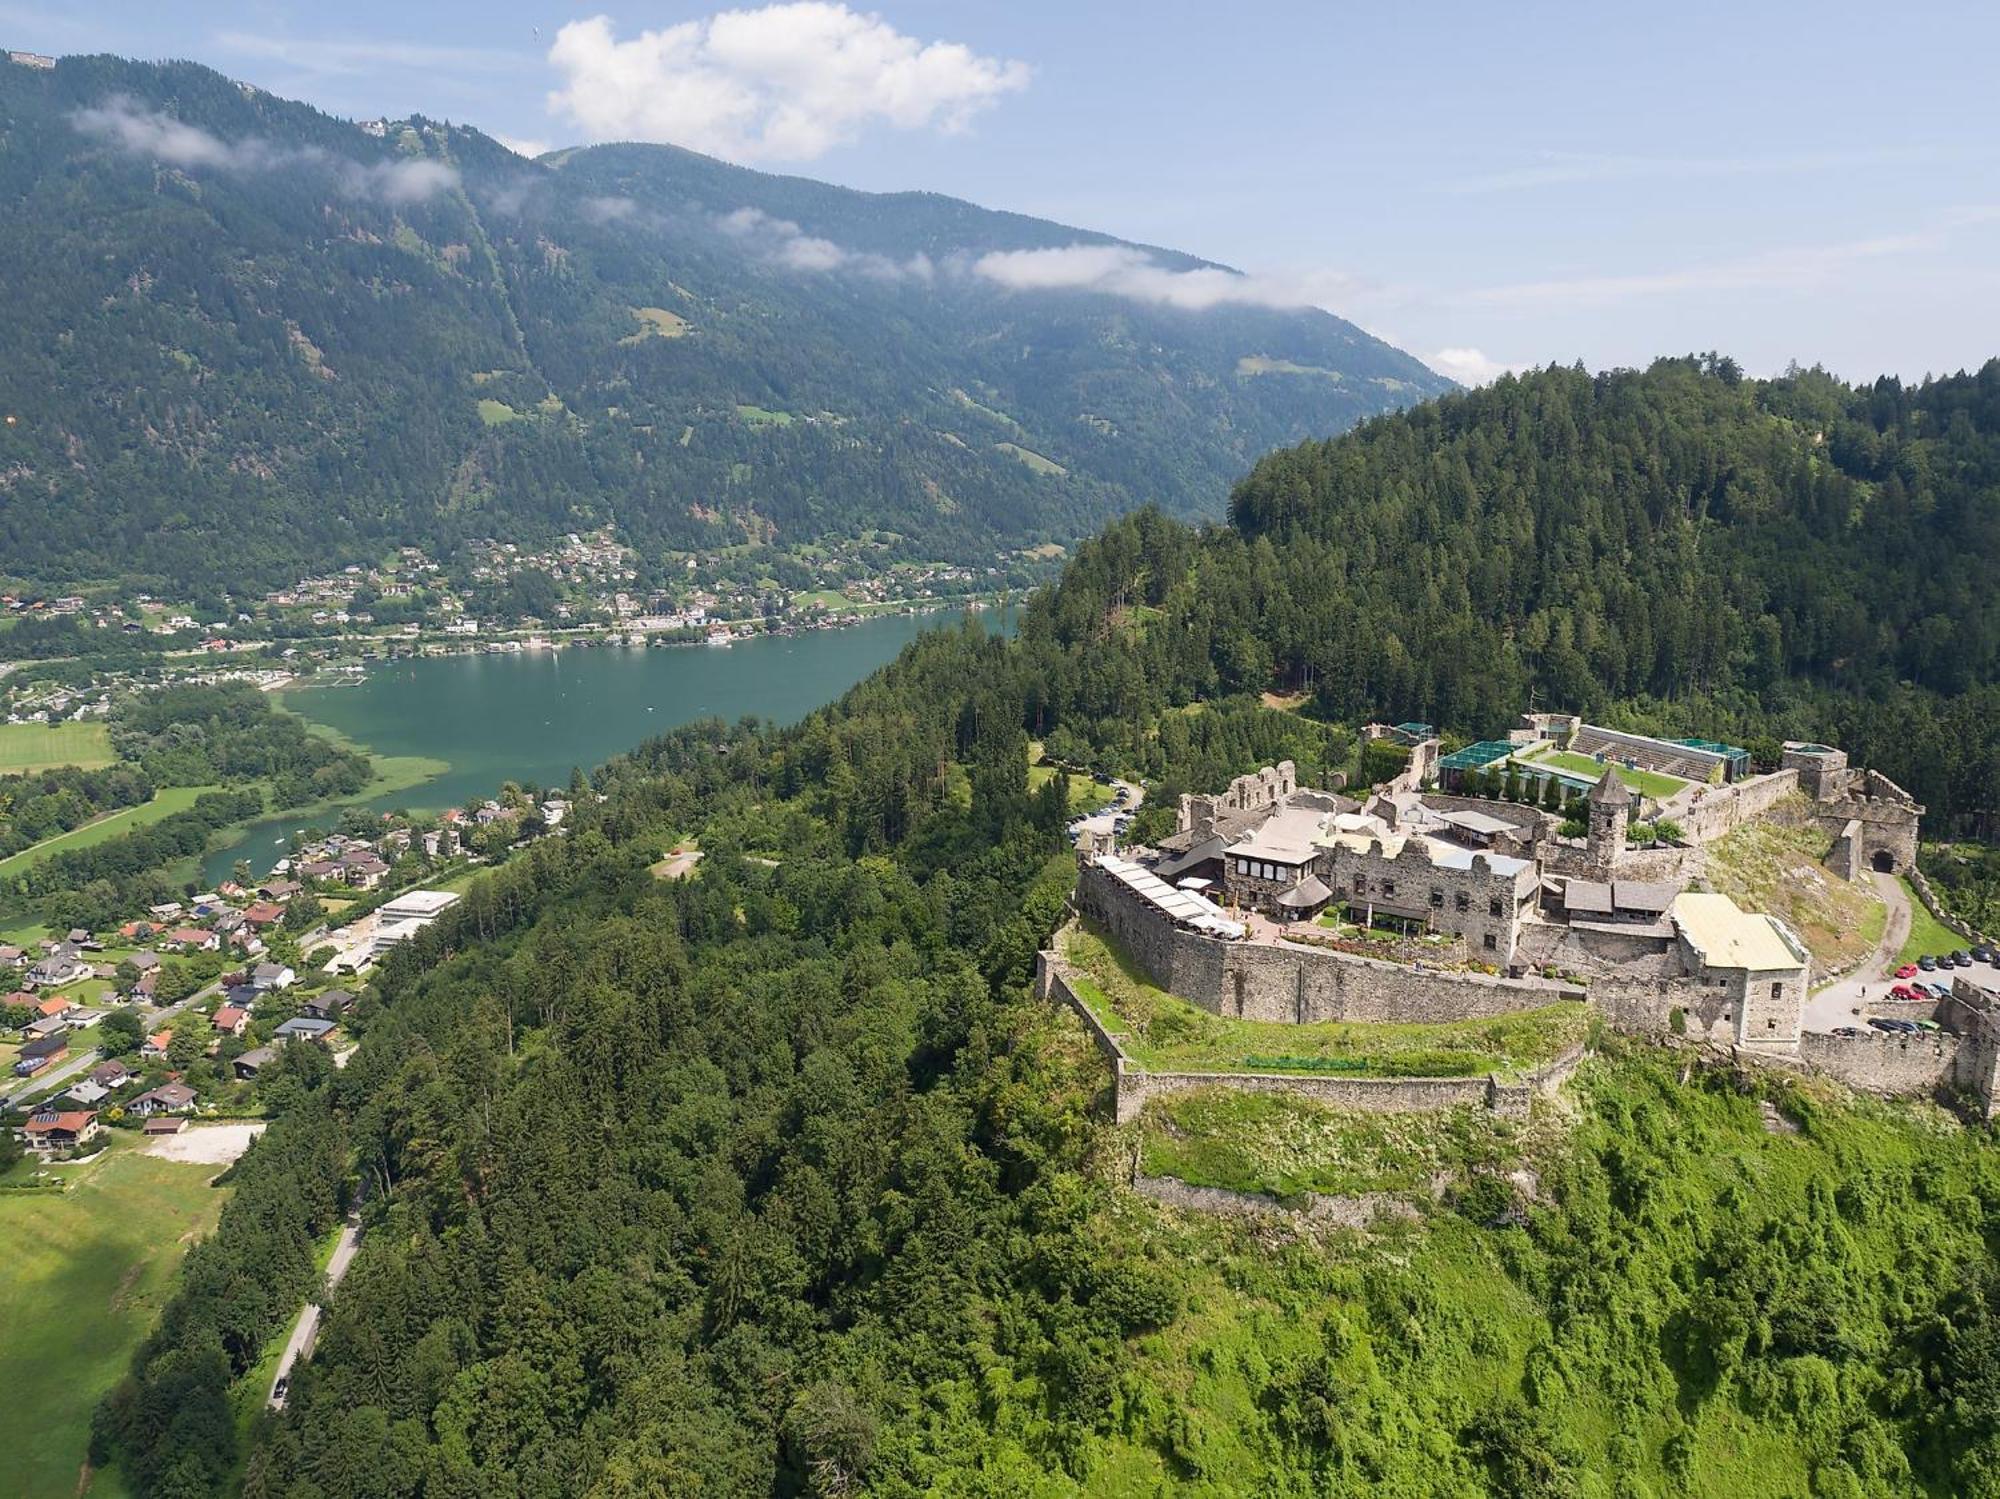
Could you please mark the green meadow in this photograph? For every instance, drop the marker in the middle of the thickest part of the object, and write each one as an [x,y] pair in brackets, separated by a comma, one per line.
[26,747]
[83,1275]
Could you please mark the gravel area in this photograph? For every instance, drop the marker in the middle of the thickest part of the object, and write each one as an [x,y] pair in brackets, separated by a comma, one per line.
[205,1144]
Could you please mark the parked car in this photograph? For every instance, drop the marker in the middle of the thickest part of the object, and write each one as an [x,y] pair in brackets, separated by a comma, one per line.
[1962,958]
[1907,971]
[1926,1025]
[1878,1023]
[1982,954]
[1905,993]
[1927,963]
[1846,1030]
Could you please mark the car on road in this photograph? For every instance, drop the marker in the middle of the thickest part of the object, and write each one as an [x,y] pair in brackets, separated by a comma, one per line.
[1927,963]
[1907,971]
[279,1389]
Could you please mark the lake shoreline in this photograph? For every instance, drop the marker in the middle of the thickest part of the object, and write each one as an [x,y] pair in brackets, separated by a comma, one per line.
[461,724]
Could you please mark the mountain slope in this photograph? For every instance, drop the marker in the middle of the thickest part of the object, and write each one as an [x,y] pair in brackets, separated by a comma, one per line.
[249,337]
[1676,549]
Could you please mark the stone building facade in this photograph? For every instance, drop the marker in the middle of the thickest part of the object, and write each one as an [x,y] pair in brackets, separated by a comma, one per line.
[1481,897]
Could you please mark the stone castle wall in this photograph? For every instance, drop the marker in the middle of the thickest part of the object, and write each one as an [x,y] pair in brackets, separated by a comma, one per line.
[1899,1066]
[1133,1086]
[1397,1095]
[1722,809]
[1292,984]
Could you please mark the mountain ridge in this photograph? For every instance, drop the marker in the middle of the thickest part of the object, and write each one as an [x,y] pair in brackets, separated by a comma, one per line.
[254,336]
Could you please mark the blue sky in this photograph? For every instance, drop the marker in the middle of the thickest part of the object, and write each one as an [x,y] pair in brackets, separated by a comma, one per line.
[1484,185]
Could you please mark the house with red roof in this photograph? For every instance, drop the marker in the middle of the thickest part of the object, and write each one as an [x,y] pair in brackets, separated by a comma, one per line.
[51,1131]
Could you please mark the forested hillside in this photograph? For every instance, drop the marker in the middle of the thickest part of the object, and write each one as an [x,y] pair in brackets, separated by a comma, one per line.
[1676,550]
[776,1181]
[245,339]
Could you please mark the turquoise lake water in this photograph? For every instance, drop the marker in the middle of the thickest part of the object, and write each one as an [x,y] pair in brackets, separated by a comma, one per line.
[532,716]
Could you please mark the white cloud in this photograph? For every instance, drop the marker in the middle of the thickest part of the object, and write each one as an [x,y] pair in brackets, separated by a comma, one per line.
[397,182]
[522,146]
[146,132]
[608,210]
[1125,271]
[785,82]
[1470,366]
[782,241]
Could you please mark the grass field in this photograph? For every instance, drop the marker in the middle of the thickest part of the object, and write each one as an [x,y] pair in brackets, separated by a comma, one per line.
[28,747]
[1928,935]
[757,416]
[1778,864]
[656,322]
[1645,782]
[81,1282]
[1284,1145]
[496,413]
[127,819]
[1034,460]
[825,598]
[1161,1031]
[1260,364]
[1085,795]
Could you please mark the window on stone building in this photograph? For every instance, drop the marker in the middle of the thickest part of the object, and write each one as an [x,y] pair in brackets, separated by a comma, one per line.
[1492,943]
[1242,866]
[1360,884]
[1463,902]
[1771,1024]
[1777,991]
[1388,887]
[1437,899]
[1496,907]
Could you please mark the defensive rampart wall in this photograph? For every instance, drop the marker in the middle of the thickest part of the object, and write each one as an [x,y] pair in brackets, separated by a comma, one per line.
[1295,983]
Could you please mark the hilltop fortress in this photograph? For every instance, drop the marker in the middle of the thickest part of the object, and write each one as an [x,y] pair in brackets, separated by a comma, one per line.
[1433,898]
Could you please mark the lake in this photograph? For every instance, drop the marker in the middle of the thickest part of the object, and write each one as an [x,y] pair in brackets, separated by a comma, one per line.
[533,715]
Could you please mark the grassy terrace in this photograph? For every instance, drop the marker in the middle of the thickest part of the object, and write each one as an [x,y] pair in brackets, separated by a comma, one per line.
[1286,1146]
[1777,864]
[1162,1032]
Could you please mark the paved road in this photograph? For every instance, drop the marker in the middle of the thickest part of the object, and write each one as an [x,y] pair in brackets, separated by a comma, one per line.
[1836,1003]
[306,1330]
